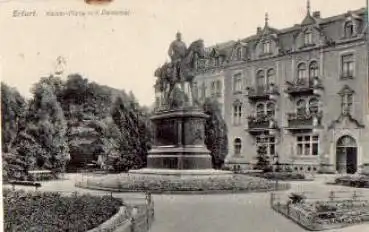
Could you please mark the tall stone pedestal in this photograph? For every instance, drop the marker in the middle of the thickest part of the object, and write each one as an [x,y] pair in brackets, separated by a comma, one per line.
[179,140]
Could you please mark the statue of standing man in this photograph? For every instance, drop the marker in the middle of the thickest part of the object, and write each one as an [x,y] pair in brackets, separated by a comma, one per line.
[177,51]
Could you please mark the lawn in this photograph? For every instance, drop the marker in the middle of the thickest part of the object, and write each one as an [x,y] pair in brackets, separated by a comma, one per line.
[53,212]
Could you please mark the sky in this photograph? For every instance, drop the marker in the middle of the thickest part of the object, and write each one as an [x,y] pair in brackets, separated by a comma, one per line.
[122,51]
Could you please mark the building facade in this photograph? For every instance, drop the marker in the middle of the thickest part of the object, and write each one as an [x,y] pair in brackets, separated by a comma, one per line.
[301,91]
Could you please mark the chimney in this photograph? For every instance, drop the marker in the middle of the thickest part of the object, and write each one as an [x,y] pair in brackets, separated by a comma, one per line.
[258,31]
[316,14]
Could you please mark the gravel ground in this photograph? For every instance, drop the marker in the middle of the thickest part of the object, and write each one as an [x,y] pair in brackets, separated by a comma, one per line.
[218,213]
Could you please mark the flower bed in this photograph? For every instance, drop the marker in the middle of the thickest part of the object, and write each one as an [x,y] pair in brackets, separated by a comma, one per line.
[281,175]
[325,215]
[359,181]
[175,184]
[36,211]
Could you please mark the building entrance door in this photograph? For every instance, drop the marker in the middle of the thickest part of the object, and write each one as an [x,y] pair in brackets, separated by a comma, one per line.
[346,155]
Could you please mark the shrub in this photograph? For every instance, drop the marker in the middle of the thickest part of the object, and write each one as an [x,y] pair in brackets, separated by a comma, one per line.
[49,212]
[283,176]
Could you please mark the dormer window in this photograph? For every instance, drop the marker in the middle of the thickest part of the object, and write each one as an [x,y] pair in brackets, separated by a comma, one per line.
[349,29]
[266,47]
[308,38]
[239,53]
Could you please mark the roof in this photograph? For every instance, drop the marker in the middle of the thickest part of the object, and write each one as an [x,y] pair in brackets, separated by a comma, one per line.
[226,48]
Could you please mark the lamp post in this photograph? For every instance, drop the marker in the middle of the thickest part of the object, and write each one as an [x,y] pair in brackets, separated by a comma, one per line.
[276,169]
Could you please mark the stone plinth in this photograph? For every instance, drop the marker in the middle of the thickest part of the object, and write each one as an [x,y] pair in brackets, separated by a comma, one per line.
[179,140]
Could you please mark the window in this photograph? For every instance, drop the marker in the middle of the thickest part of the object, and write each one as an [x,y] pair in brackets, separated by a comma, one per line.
[271,76]
[239,53]
[313,70]
[195,89]
[260,110]
[346,103]
[314,105]
[202,91]
[301,72]
[237,113]
[270,109]
[268,141]
[218,87]
[347,66]
[213,88]
[266,47]
[260,80]
[307,145]
[308,38]
[237,83]
[301,107]
[349,29]
[237,146]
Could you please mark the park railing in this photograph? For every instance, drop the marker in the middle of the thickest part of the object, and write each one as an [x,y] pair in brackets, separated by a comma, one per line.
[336,209]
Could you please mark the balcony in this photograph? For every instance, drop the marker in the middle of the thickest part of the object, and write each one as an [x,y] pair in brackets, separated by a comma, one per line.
[302,86]
[262,92]
[261,123]
[298,121]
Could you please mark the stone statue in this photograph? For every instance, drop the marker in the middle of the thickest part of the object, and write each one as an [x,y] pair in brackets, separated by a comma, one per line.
[177,49]
[181,70]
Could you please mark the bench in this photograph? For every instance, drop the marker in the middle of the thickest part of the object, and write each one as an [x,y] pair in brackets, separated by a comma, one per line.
[25,183]
[40,174]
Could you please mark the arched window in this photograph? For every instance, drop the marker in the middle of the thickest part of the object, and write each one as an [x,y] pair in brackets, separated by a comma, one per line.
[301,72]
[301,106]
[349,29]
[260,79]
[237,146]
[346,141]
[260,110]
[271,76]
[314,105]
[237,113]
[270,109]
[313,70]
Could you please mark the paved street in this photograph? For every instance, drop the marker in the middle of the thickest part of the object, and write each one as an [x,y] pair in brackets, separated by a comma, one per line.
[218,213]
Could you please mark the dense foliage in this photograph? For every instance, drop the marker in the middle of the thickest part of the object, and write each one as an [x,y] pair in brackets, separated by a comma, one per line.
[69,124]
[52,212]
[135,136]
[13,108]
[216,138]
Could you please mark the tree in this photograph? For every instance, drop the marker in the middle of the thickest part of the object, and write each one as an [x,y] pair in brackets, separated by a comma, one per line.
[216,139]
[47,126]
[262,159]
[13,109]
[135,135]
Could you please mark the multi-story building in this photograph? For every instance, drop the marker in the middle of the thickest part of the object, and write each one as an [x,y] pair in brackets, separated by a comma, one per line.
[301,91]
